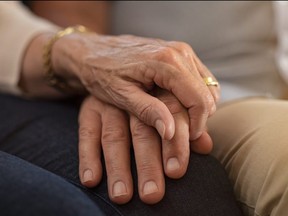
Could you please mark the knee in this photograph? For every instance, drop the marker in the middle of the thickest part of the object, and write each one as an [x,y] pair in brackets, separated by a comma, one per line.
[273,194]
[238,124]
[30,190]
[250,139]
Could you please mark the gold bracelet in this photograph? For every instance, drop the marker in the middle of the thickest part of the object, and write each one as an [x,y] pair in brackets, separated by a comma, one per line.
[52,79]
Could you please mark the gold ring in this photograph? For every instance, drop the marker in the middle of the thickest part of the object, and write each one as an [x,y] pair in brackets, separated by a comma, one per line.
[210,82]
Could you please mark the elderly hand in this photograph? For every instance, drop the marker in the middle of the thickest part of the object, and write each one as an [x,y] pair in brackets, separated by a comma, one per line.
[103,127]
[123,70]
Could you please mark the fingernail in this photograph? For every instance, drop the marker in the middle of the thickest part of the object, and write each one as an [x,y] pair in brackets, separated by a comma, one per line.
[173,164]
[160,128]
[87,176]
[150,187]
[119,189]
[196,136]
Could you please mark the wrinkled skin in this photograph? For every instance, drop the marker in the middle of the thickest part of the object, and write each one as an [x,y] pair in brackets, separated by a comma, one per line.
[104,127]
[122,70]
[137,85]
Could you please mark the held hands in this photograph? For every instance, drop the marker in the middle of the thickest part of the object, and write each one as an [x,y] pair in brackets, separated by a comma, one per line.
[104,127]
[122,70]
[161,85]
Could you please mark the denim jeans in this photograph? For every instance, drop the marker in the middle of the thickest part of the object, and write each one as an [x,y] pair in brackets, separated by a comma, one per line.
[39,171]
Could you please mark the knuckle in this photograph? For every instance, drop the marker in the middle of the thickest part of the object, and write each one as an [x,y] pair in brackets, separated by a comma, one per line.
[140,131]
[182,45]
[205,101]
[167,54]
[184,48]
[199,110]
[137,129]
[148,72]
[145,112]
[87,133]
[202,105]
[210,103]
[205,109]
[112,134]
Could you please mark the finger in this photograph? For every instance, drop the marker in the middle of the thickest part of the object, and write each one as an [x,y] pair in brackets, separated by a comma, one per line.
[147,150]
[176,151]
[151,111]
[202,145]
[90,168]
[116,149]
[191,61]
[197,120]
[192,93]
[205,72]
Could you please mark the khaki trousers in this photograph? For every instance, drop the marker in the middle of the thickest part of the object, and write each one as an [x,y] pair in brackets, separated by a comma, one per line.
[251,141]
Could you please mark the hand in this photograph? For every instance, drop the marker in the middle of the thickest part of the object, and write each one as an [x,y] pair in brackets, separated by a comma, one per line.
[122,71]
[153,155]
[104,127]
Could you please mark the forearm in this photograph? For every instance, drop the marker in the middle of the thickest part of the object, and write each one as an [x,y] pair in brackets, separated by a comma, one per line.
[94,15]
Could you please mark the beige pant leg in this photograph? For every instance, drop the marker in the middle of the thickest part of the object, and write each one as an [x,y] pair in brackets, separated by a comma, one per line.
[251,141]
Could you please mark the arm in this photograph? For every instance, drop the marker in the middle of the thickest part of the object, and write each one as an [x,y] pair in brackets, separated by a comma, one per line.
[23,37]
[95,16]
[119,71]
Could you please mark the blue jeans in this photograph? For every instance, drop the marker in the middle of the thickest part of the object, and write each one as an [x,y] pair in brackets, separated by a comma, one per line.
[39,171]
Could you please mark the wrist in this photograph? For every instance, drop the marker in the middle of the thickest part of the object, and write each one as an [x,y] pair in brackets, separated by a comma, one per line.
[31,80]
[33,77]
[59,64]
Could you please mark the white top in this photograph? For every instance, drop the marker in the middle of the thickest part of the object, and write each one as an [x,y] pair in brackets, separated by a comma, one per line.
[17,28]
[236,40]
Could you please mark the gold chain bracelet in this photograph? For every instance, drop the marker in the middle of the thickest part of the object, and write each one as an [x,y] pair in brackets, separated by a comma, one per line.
[52,79]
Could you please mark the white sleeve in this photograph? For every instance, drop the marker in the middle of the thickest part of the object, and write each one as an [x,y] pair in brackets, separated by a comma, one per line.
[18,26]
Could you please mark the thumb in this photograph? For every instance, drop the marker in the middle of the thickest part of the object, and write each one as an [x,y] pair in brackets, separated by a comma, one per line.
[202,145]
[152,112]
